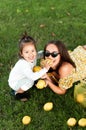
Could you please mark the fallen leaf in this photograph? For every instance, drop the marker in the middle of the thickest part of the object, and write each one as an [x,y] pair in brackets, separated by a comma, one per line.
[53,34]
[68,13]
[18,10]
[26,10]
[42,25]
[52,8]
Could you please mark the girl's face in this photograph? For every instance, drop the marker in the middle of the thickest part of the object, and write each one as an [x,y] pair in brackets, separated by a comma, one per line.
[52,52]
[29,52]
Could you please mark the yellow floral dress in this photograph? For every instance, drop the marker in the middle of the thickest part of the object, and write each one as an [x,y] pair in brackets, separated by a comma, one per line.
[78,74]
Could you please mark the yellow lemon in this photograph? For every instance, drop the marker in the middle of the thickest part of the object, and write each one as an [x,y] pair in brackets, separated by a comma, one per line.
[80,98]
[48,106]
[49,61]
[26,120]
[41,84]
[46,61]
[36,68]
[71,121]
[82,122]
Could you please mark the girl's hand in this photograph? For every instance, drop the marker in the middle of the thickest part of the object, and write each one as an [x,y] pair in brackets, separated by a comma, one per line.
[44,76]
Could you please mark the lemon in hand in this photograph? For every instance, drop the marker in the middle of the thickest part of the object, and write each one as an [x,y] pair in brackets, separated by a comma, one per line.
[46,61]
[41,84]
[71,122]
[48,106]
[36,68]
[26,120]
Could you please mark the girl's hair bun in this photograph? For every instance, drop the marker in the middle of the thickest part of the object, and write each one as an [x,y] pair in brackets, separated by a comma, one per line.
[26,38]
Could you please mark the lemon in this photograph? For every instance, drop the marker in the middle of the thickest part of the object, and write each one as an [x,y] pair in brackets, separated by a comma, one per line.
[48,106]
[80,98]
[46,61]
[80,93]
[36,68]
[82,122]
[49,61]
[71,121]
[41,84]
[26,120]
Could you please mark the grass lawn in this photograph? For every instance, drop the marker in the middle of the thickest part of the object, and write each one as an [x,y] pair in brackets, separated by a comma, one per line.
[44,20]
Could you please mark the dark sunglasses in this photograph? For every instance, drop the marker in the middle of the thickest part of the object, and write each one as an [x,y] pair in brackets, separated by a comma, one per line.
[53,54]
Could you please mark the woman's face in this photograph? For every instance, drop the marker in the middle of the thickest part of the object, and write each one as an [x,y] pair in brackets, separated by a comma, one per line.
[52,52]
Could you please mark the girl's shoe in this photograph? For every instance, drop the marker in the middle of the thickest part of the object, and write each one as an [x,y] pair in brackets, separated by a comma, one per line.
[24,99]
[22,96]
[12,92]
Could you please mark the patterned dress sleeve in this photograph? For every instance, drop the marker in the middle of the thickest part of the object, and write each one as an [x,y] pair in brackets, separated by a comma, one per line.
[67,82]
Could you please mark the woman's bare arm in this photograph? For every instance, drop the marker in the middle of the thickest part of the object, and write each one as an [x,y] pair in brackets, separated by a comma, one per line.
[55,88]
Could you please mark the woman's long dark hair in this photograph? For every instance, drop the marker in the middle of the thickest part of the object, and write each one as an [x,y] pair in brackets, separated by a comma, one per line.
[65,57]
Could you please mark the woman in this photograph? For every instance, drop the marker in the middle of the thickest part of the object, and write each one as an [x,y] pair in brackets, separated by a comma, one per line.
[67,67]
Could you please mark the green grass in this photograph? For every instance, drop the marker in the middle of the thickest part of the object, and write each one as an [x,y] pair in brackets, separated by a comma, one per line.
[65,18]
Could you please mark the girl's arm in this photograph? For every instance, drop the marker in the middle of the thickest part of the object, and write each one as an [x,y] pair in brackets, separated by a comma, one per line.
[34,75]
[28,72]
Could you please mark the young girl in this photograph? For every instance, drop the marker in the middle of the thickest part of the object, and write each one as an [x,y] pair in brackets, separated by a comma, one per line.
[22,77]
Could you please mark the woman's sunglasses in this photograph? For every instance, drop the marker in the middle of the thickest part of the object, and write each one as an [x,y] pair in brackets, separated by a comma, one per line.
[53,54]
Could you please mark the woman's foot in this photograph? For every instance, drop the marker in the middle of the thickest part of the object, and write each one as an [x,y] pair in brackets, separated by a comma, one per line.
[84,47]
